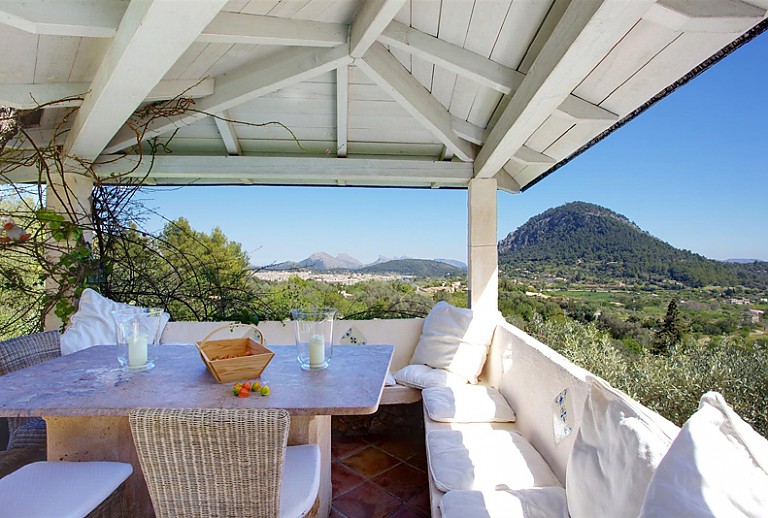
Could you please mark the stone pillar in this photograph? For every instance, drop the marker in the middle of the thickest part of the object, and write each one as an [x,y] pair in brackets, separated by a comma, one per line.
[68,194]
[483,275]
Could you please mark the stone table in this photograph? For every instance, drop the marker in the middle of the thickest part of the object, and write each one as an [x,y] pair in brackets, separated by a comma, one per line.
[85,399]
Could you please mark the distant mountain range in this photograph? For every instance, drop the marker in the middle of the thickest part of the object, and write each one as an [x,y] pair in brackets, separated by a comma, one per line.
[584,242]
[321,261]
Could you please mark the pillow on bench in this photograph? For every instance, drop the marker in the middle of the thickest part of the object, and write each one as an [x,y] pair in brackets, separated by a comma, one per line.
[467,404]
[614,455]
[422,377]
[716,466]
[93,323]
[485,460]
[456,340]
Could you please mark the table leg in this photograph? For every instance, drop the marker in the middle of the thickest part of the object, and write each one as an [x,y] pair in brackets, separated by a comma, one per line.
[316,430]
[84,438]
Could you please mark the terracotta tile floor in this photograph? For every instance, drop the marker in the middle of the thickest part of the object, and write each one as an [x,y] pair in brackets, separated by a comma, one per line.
[379,476]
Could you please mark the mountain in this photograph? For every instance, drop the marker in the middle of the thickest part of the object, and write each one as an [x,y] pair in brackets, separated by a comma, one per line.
[584,242]
[453,262]
[414,267]
[323,261]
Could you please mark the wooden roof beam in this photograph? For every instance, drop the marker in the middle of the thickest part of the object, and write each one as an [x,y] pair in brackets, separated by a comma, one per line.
[244,84]
[28,96]
[451,57]
[158,28]
[100,19]
[387,72]
[342,109]
[177,169]
[585,34]
[721,16]
[371,20]
[86,19]
[228,133]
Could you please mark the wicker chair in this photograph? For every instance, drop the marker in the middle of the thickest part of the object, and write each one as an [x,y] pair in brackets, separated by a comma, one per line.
[16,354]
[224,462]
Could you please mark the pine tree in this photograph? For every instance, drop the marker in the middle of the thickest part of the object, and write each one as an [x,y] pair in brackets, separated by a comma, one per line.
[671,331]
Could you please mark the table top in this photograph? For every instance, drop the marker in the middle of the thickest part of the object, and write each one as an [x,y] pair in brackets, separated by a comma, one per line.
[91,383]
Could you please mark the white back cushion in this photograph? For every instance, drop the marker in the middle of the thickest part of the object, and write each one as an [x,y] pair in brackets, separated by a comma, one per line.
[614,456]
[717,466]
[93,324]
[456,340]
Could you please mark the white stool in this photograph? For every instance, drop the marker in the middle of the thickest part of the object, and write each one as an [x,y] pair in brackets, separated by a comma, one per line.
[61,489]
[301,480]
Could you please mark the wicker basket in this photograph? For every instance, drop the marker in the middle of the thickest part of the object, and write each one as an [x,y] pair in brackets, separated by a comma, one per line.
[240,367]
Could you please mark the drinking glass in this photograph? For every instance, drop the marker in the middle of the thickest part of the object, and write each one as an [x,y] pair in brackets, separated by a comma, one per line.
[135,334]
[314,335]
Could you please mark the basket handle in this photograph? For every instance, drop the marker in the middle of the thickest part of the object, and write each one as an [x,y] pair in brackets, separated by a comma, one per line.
[231,328]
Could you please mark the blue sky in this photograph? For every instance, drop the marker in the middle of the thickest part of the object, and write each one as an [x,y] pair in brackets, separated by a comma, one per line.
[692,170]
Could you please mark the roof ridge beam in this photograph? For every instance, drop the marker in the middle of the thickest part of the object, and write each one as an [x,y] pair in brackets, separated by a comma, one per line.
[452,57]
[583,36]
[117,89]
[387,72]
[371,20]
[28,96]
[249,82]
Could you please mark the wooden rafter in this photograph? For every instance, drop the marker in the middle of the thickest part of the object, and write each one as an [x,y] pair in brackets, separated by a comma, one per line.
[259,78]
[100,19]
[373,18]
[585,34]
[386,71]
[342,110]
[28,96]
[117,90]
[228,133]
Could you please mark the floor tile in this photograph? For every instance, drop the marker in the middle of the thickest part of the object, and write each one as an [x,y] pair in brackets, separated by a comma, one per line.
[335,513]
[343,479]
[401,447]
[407,512]
[421,502]
[370,461]
[403,481]
[343,445]
[367,501]
[419,461]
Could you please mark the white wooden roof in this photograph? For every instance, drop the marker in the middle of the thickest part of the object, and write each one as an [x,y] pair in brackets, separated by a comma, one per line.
[377,92]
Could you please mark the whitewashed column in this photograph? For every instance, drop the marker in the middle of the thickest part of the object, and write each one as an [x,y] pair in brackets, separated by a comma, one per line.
[483,261]
[68,194]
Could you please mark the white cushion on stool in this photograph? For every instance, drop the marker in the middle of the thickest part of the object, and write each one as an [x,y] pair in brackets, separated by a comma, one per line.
[301,480]
[61,489]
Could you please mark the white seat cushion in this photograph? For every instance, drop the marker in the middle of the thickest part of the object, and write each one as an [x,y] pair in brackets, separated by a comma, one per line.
[456,340]
[540,502]
[485,460]
[422,376]
[467,404]
[61,489]
[301,480]
[717,466]
[93,323]
[614,455]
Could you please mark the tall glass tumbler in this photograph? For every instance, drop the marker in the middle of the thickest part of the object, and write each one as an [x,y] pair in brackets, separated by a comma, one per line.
[136,330]
[314,335]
